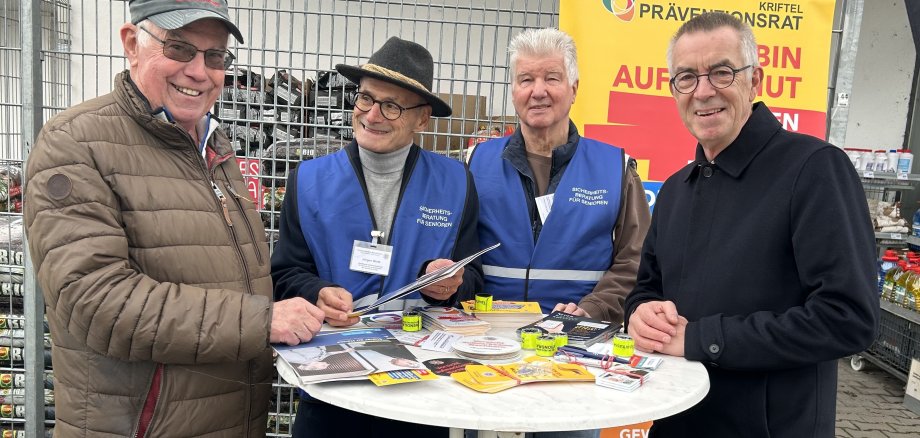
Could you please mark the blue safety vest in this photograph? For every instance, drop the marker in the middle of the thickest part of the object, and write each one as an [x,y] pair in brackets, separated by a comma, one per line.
[575,246]
[335,211]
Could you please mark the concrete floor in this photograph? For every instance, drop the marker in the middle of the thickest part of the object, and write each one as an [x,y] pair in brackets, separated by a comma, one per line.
[870,404]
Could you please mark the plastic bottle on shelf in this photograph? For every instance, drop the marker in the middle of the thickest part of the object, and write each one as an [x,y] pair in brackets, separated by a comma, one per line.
[853,155]
[881,162]
[905,161]
[891,278]
[889,261]
[893,157]
[867,160]
[915,225]
[900,285]
[913,290]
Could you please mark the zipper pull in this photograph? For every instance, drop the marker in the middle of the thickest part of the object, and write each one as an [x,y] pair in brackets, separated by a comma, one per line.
[237,195]
[223,202]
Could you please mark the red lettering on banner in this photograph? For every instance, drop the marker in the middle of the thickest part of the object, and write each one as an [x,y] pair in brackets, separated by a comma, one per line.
[779,57]
[650,128]
[642,78]
[776,86]
[250,169]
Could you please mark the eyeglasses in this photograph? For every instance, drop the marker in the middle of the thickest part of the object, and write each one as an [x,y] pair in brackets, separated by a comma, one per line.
[720,77]
[184,52]
[390,110]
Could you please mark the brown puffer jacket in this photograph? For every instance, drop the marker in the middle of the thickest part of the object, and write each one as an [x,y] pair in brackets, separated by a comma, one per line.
[157,304]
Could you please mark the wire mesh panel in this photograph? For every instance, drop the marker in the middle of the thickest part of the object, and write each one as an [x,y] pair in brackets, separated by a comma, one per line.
[55,31]
[282,101]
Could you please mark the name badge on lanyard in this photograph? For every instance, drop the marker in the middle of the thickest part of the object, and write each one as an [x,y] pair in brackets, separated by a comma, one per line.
[371,257]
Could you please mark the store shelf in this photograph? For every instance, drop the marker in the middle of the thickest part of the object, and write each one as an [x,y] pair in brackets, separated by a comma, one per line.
[892,236]
[900,312]
[868,174]
[898,340]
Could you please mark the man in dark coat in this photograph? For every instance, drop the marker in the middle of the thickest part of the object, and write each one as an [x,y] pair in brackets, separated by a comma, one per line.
[760,260]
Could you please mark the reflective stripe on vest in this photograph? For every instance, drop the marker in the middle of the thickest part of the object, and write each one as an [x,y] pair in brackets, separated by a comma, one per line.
[575,246]
[542,274]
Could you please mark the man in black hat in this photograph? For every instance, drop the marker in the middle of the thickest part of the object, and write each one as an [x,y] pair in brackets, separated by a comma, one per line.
[154,268]
[381,199]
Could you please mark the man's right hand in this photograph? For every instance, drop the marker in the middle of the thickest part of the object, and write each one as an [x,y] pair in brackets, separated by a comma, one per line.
[653,324]
[335,303]
[294,321]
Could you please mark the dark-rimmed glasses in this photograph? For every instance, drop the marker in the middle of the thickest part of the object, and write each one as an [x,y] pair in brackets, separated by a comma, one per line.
[184,52]
[720,77]
[390,110]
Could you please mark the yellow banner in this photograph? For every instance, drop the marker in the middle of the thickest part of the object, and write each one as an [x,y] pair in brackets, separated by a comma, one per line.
[624,97]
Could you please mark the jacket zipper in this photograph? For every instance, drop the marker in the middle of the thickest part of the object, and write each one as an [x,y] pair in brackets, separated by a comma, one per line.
[527,284]
[150,403]
[222,200]
[239,204]
[202,165]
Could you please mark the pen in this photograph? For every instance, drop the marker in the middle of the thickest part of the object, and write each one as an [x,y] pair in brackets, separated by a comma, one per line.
[578,352]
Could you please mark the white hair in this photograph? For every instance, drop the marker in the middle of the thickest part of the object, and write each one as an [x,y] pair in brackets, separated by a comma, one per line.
[545,42]
[143,38]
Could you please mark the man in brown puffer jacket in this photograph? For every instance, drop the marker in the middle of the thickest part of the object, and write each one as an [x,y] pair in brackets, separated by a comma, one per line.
[153,262]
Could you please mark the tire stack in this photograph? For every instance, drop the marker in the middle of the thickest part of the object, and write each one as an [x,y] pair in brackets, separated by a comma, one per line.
[240,110]
[332,107]
[12,320]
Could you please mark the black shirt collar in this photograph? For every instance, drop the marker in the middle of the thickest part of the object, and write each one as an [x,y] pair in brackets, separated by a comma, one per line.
[755,134]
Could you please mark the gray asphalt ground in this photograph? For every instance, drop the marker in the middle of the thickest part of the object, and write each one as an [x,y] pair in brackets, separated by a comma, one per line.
[870,404]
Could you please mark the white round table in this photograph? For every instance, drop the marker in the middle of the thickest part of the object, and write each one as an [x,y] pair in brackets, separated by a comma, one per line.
[675,386]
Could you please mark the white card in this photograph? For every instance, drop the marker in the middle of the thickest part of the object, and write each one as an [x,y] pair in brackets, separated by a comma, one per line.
[544,206]
[371,258]
[440,341]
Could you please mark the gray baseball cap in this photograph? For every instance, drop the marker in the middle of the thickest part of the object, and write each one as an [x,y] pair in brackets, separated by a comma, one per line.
[173,14]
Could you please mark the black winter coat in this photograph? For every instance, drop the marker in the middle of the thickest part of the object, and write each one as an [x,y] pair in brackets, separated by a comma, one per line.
[769,252]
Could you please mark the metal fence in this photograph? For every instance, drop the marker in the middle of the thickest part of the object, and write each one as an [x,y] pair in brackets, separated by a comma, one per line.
[281,90]
[51,29]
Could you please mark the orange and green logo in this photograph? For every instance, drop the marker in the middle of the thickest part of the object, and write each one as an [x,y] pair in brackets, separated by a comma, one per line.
[623,9]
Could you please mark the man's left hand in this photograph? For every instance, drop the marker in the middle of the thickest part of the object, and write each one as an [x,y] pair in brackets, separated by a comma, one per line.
[676,346]
[445,288]
[572,309]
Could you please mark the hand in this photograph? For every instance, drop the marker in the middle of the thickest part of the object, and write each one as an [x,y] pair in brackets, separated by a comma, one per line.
[653,324]
[294,321]
[443,289]
[676,346]
[571,309]
[335,303]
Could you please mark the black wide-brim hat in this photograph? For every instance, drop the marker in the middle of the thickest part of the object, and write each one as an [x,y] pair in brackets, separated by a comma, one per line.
[402,63]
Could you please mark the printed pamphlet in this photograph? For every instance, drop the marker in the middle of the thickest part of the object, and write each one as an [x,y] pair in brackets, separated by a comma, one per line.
[422,282]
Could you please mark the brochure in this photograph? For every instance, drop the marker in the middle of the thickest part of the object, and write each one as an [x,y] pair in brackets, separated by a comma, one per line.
[347,355]
[623,377]
[404,376]
[422,282]
[495,378]
[451,319]
[582,331]
[506,314]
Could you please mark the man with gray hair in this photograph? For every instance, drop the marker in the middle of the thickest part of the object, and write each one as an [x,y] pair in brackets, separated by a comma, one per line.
[577,252]
[153,263]
[760,259]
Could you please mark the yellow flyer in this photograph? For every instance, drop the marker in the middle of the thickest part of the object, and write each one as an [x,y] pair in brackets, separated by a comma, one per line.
[401,376]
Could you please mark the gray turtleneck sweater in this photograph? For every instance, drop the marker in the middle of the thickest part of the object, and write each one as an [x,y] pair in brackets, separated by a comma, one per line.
[383,176]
